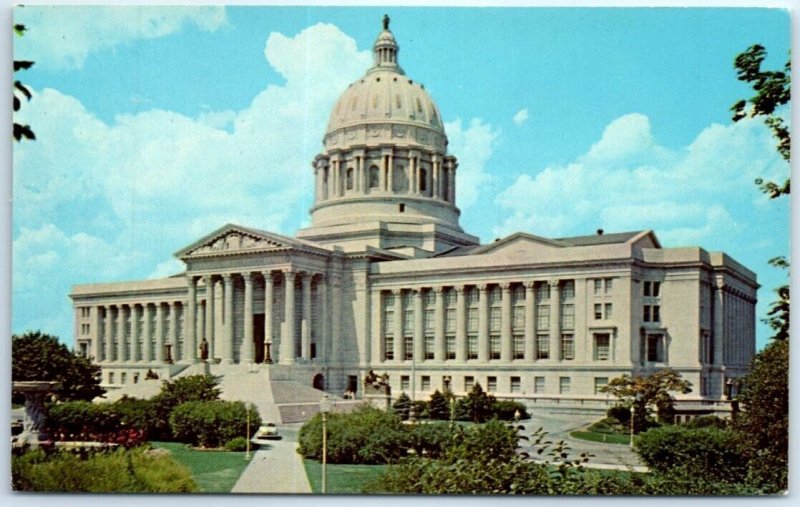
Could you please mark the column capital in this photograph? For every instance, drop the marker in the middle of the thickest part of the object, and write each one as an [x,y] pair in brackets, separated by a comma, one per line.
[481,286]
[227,277]
[397,292]
[439,289]
[506,286]
[530,284]
[208,279]
[289,271]
[553,282]
[248,276]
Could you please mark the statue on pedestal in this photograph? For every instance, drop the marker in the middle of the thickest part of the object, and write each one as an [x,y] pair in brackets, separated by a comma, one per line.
[204,349]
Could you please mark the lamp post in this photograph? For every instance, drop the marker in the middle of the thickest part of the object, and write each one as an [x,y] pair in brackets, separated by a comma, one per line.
[636,400]
[268,355]
[247,454]
[324,408]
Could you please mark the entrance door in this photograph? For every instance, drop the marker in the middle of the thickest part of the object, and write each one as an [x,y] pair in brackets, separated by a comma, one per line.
[319,382]
[258,336]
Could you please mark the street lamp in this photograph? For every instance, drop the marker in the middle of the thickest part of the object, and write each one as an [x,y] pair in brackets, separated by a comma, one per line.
[268,355]
[636,400]
[324,408]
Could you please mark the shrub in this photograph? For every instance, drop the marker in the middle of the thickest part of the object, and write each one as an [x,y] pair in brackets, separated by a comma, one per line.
[603,426]
[430,440]
[212,423]
[477,405]
[505,410]
[419,408]
[713,453]
[706,421]
[238,444]
[621,414]
[134,471]
[402,406]
[181,390]
[438,406]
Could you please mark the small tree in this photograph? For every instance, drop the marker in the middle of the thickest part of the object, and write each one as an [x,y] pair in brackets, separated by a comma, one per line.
[477,404]
[438,406]
[402,406]
[181,390]
[648,393]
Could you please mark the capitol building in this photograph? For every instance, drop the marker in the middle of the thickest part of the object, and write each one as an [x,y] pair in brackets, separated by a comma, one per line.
[385,279]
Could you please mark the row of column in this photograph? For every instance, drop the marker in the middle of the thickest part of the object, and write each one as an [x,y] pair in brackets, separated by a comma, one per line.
[506,328]
[438,181]
[734,319]
[200,321]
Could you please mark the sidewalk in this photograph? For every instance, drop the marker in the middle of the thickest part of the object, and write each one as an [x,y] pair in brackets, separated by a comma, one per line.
[278,469]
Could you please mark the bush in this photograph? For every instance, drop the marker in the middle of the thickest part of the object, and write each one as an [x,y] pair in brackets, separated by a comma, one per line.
[476,406]
[604,426]
[402,406]
[212,423]
[419,408]
[706,421]
[175,392]
[238,444]
[439,407]
[135,471]
[430,440]
[713,453]
[505,410]
[621,414]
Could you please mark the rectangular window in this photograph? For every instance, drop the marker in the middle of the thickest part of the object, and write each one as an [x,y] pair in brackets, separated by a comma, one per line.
[472,296]
[472,347]
[519,295]
[405,383]
[494,346]
[543,317]
[429,320]
[543,346]
[495,295]
[567,346]
[656,289]
[408,321]
[656,313]
[568,289]
[598,311]
[602,347]
[516,385]
[111,377]
[491,384]
[408,348]
[429,347]
[646,289]
[494,318]
[568,316]
[538,385]
[518,317]
[609,285]
[599,384]
[598,286]
[646,313]
[472,319]
[608,310]
[469,381]
[542,291]
[655,348]
[450,320]
[450,347]
[388,322]
[564,385]
[429,297]
[388,347]
[123,377]
[426,383]
[450,297]
[519,346]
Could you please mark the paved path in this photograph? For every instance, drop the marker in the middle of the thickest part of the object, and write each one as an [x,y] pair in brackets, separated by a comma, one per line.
[278,469]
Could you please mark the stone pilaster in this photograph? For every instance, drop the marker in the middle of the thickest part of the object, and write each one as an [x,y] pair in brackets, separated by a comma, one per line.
[438,343]
[305,325]
[227,319]
[109,334]
[189,323]
[288,335]
[719,323]
[530,321]
[483,323]
[398,324]
[121,316]
[555,320]
[419,329]
[461,324]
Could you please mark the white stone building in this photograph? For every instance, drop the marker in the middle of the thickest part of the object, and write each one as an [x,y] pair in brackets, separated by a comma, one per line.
[385,279]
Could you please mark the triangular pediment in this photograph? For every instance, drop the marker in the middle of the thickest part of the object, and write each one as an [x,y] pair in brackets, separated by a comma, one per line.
[520,242]
[235,239]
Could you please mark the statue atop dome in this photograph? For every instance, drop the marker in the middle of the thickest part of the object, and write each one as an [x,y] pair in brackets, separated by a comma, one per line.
[385,21]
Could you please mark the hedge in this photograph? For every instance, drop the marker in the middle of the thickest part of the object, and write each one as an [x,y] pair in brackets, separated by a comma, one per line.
[212,423]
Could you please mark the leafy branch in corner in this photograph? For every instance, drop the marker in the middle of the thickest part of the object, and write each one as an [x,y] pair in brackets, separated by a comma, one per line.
[21,131]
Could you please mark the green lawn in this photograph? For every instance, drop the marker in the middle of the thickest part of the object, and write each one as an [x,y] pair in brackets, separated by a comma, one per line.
[214,471]
[342,479]
[592,436]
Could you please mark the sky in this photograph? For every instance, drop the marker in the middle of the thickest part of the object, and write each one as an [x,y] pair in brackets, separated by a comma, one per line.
[155,126]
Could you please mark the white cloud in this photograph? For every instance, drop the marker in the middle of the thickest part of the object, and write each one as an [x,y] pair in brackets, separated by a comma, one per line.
[473,147]
[521,116]
[62,37]
[702,194]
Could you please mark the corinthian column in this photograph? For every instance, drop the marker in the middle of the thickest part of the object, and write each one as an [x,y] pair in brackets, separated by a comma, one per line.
[419,333]
[227,319]
[438,326]
[246,353]
[269,289]
[159,332]
[398,324]
[109,344]
[189,326]
[208,281]
[530,335]
[288,335]
[505,323]
[461,324]
[135,357]
[305,326]
[121,334]
[555,320]
[147,336]
[483,323]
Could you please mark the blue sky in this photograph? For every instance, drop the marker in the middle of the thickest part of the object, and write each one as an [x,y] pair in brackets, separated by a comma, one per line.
[156,126]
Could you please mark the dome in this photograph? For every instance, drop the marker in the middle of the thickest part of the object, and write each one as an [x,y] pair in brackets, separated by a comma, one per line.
[385,95]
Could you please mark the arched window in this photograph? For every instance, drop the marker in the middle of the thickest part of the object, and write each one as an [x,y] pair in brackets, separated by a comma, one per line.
[423,180]
[399,179]
[349,179]
[374,177]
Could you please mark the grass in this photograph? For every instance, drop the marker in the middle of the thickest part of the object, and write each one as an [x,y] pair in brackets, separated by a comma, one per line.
[214,471]
[605,438]
[342,479]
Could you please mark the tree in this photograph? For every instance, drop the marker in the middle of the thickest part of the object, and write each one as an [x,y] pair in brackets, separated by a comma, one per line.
[181,390]
[764,421]
[778,314]
[21,131]
[402,406]
[477,404]
[648,393]
[39,356]
[773,90]
[438,406]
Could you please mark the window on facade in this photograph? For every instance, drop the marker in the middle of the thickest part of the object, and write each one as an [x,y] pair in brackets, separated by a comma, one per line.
[543,317]
[538,385]
[518,317]
[542,291]
[429,320]
[602,347]
[491,384]
[469,381]
[598,286]
[567,346]
[567,316]
[598,311]
[450,320]
[706,355]
[374,177]
[408,348]
[349,178]
[494,318]
[472,319]
[518,294]
[543,346]
[111,377]
[450,347]
[446,380]
[646,313]
[646,289]
[599,384]
[518,346]
[388,347]
[564,385]
[655,348]
[423,180]
[656,313]
[568,290]
[472,347]
[608,310]
[429,347]
[656,289]
[472,296]
[494,346]
[516,385]
[429,298]
[84,349]
[450,298]
[426,383]
[408,320]
[123,377]
[495,295]
[405,382]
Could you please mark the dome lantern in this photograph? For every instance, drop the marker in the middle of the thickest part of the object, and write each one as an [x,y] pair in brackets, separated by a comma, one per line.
[386,49]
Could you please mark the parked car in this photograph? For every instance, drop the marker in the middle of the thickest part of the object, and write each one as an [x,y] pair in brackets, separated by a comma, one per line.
[265,432]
